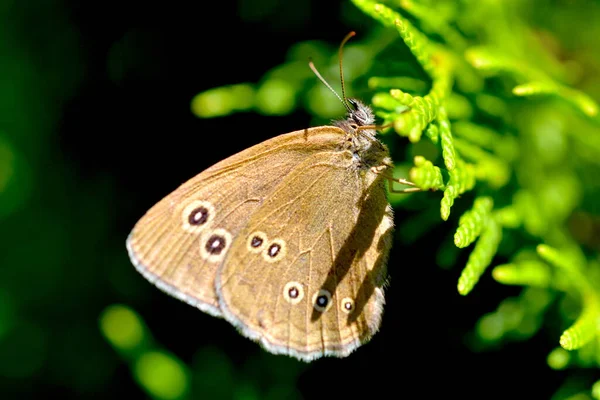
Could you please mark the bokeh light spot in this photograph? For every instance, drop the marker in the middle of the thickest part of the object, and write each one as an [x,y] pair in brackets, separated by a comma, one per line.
[490,327]
[596,390]
[121,327]
[222,101]
[558,358]
[212,103]
[276,97]
[162,375]
[242,96]
[322,103]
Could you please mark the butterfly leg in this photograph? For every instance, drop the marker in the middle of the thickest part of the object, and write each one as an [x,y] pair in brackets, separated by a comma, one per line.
[402,181]
[379,169]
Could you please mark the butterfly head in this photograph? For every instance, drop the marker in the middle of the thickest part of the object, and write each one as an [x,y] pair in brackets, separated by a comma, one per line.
[359,113]
[360,120]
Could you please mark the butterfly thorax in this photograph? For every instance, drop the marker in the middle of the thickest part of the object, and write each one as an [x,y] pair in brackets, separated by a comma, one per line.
[368,151]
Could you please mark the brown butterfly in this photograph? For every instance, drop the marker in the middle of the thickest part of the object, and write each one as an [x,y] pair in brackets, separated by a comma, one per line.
[287,240]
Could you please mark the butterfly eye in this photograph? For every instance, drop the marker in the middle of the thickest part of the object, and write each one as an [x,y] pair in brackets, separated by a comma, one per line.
[347,305]
[197,215]
[214,245]
[353,103]
[256,242]
[321,300]
[275,251]
[293,292]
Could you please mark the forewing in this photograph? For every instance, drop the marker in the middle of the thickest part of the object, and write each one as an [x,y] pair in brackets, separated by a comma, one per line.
[180,242]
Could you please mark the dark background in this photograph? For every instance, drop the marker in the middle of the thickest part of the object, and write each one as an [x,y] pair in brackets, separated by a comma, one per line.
[96,105]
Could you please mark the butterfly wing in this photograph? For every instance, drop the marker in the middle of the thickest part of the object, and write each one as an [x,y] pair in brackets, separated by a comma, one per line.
[305,275]
[180,242]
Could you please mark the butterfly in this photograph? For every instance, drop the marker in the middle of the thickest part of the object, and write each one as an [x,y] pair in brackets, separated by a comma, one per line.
[287,240]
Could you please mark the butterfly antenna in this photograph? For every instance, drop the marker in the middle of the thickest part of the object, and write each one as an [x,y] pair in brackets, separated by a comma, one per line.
[314,69]
[348,36]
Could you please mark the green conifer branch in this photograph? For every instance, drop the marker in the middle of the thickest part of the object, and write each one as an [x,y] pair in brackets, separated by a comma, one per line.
[472,222]
[418,43]
[576,98]
[433,133]
[492,62]
[388,102]
[435,22]
[462,179]
[426,175]
[448,152]
[585,328]
[403,98]
[587,325]
[494,156]
[567,264]
[481,256]
[534,81]
[450,194]
[423,109]
[525,273]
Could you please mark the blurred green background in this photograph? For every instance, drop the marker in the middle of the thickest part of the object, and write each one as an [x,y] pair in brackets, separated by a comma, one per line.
[96,126]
